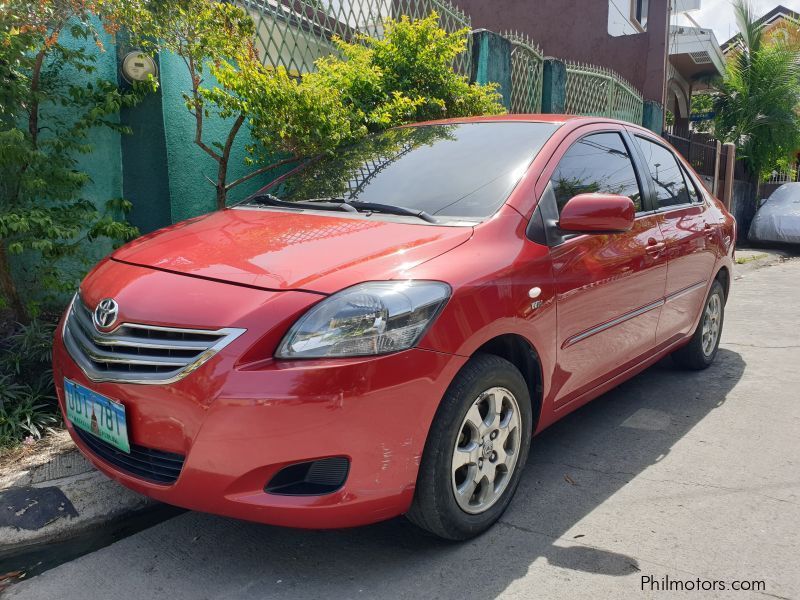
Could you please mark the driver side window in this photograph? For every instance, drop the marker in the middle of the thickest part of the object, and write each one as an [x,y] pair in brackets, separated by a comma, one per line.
[599,162]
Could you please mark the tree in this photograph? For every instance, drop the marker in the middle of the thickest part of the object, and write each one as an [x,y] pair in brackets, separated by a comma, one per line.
[367,85]
[204,34]
[45,120]
[702,104]
[756,101]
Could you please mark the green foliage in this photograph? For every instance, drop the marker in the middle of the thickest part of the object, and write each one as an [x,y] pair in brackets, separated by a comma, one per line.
[407,76]
[703,104]
[27,399]
[369,85]
[45,121]
[756,103]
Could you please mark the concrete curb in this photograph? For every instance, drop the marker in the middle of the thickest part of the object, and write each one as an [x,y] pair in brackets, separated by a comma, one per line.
[751,259]
[57,499]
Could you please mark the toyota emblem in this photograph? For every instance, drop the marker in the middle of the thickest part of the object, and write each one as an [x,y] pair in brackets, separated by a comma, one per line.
[105,314]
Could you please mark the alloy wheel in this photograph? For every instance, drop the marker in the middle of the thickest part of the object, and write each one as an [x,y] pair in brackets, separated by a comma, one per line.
[486,450]
[712,319]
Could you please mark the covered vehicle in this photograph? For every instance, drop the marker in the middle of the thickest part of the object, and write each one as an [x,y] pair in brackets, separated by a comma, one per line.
[778,219]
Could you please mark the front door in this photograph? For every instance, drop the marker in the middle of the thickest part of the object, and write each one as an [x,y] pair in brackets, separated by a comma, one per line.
[609,287]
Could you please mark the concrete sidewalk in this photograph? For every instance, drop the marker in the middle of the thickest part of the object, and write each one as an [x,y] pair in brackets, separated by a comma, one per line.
[54,494]
[674,474]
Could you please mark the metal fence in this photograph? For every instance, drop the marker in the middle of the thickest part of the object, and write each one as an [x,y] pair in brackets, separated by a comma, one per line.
[600,92]
[295,33]
[527,64]
[699,149]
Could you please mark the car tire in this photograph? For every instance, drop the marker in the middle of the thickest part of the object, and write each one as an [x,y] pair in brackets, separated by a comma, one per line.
[701,350]
[447,501]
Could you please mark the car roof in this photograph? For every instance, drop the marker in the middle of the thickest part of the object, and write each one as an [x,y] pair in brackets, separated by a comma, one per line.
[526,117]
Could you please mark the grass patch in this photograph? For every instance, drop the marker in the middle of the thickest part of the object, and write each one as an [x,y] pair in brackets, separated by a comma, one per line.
[743,260]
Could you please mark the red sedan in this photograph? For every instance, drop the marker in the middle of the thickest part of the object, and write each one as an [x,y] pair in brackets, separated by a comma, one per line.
[382,331]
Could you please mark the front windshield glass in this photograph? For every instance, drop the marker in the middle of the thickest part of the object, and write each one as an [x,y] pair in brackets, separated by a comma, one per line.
[458,171]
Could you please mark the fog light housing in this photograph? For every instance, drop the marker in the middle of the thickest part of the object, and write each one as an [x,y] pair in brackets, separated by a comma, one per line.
[310,478]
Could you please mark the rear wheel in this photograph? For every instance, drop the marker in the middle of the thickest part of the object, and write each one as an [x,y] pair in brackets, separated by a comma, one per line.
[701,350]
[476,450]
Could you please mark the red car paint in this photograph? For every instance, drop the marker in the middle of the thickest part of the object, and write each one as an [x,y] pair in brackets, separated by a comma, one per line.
[244,415]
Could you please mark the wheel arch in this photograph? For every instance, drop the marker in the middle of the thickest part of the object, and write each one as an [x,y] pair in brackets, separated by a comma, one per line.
[724,278]
[520,352]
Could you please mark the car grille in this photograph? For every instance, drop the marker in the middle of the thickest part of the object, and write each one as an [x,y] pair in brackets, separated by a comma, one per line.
[138,353]
[145,463]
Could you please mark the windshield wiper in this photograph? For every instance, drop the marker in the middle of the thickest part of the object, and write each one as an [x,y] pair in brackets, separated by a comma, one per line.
[338,203]
[390,209]
[270,200]
[375,207]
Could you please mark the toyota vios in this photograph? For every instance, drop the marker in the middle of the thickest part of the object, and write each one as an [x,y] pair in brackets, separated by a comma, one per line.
[382,331]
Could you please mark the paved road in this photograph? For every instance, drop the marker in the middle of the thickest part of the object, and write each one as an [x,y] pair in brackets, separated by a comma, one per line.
[684,475]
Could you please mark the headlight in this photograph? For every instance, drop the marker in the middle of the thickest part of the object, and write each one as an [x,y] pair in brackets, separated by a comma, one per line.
[370,318]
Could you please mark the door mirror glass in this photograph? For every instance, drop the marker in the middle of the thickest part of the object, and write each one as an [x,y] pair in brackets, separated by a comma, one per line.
[597,213]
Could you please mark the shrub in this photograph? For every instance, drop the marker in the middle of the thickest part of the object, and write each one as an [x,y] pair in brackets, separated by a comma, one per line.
[28,405]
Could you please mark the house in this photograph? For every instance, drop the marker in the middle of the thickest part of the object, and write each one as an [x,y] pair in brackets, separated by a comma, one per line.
[779,23]
[695,60]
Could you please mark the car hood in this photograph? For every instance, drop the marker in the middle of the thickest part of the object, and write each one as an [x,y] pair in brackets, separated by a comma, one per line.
[277,250]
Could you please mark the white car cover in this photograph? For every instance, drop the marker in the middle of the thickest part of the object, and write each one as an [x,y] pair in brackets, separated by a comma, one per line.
[778,219]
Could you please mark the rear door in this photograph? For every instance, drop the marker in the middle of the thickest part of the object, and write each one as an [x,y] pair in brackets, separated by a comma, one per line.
[609,287]
[684,220]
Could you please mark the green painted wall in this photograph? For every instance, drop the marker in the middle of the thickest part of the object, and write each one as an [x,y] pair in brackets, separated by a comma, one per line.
[144,155]
[104,164]
[187,165]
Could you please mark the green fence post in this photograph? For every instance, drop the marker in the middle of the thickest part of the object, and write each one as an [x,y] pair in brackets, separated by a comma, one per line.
[491,62]
[653,116]
[554,86]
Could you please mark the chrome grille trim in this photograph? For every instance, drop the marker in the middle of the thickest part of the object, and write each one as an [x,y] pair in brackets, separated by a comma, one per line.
[136,352]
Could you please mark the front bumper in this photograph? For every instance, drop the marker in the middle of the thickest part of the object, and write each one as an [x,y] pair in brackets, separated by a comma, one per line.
[237,427]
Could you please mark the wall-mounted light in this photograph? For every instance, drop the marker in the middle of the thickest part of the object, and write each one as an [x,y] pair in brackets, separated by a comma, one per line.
[137,66]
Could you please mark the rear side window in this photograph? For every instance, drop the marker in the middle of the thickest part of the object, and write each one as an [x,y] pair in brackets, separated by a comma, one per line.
[666,173]
[597,163]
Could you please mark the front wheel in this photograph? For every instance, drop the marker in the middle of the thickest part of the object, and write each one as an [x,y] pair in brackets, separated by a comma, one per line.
[476,450]
[701,350]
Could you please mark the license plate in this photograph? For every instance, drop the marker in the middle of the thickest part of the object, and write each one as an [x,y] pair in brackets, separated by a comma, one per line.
[96,414]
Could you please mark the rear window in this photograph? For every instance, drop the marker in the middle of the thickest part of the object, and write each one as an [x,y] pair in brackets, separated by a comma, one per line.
[459,171]
[666,173]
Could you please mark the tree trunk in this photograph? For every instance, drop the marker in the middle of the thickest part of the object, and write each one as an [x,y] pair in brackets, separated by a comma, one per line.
[222,178]
[9,288]
[222,170]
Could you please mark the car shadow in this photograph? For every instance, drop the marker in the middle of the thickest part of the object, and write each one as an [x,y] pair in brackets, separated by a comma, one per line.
[574,467]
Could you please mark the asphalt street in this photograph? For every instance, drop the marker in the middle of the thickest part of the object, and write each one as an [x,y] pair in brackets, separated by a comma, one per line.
[693,477]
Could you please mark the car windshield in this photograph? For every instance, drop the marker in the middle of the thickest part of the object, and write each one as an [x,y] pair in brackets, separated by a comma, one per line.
[451,172]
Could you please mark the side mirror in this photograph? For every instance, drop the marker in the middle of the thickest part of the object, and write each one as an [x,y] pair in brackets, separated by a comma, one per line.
[597,213]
